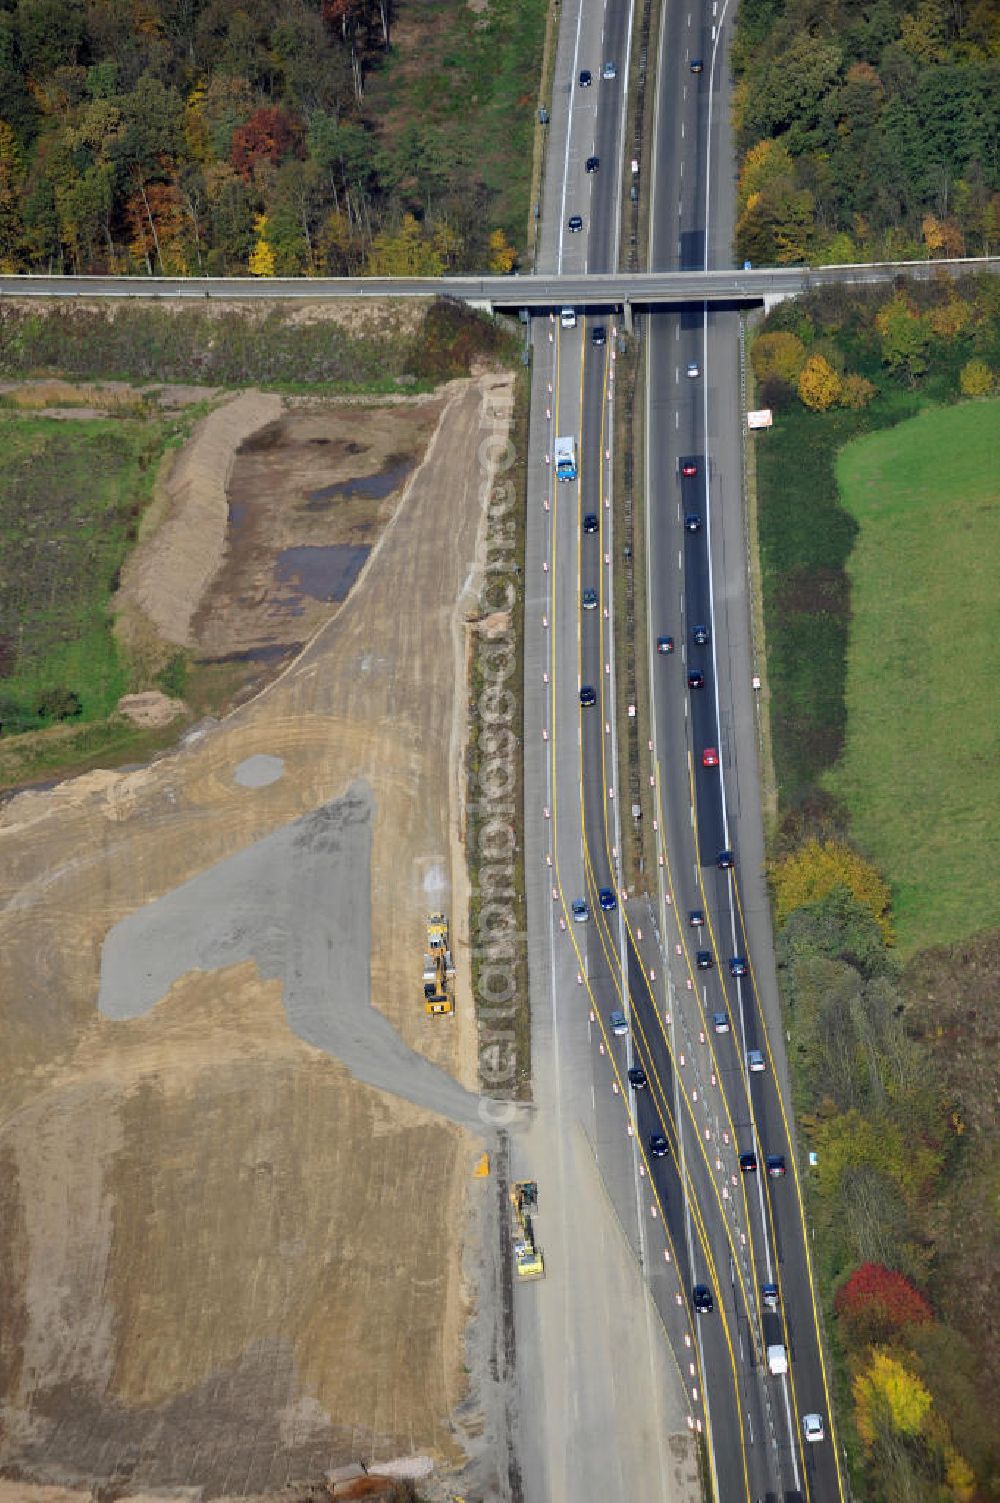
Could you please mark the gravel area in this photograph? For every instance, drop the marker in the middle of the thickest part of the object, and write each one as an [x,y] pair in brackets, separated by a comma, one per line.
[298,903]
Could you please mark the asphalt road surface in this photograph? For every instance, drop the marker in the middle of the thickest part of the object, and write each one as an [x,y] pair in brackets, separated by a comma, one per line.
[668,1147]
[697,576]
[605,1402]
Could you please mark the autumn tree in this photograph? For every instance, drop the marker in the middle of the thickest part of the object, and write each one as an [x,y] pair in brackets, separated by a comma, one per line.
[950,317]
[11,200]
[976,379]
[820,387]
[410,252]
[779,354]
[887,1395]
[777,224]
[268,136]
[942,237]
[856,392]
[765,164]
[876,1302]
[261,261]
[816,868]
[503,256]
[905,338]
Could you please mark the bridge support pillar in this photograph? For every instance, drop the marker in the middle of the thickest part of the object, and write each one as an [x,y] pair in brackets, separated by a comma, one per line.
[772,299]
[627,315]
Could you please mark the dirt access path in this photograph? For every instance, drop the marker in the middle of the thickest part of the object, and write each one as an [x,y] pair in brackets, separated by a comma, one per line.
[225,1262]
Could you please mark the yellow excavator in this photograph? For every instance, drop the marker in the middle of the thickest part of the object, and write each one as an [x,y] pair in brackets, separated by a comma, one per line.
[527,1254]
[439,969]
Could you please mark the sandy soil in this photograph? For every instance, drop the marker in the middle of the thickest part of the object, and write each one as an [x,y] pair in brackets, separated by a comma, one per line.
[225,1262]
[325,477]
[167,576]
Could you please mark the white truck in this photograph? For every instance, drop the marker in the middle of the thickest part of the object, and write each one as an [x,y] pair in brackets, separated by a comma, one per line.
[565,458]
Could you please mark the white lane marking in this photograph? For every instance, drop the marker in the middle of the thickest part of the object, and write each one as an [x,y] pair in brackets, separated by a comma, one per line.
[569,135]
[661,74]
[622,118]
[716,37]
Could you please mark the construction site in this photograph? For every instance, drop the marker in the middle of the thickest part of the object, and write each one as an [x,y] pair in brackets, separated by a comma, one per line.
[239,1143]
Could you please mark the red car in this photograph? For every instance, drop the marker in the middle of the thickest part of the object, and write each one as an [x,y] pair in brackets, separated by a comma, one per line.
[689,469]
[710,757]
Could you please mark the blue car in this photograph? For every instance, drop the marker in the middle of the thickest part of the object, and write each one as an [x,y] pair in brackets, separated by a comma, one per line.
[737,965]
[607,900]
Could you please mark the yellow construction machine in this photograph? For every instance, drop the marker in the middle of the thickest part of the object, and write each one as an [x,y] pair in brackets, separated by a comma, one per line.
[439,968]
[527,1254]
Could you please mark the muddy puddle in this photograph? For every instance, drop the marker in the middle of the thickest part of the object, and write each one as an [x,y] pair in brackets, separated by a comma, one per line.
[321,573]
[367,487]
[309,497]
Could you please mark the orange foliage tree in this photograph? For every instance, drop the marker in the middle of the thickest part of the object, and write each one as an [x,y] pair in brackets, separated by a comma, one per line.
[819,385]
[268,136]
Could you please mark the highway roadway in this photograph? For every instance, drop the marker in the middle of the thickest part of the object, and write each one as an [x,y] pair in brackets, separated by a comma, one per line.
[609,1380]
[700,578]
[668,1146]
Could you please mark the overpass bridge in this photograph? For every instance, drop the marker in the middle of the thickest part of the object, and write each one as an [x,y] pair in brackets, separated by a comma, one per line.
[537,293]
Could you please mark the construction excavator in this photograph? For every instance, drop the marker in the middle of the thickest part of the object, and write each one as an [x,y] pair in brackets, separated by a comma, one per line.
[527,1254]
[439,969]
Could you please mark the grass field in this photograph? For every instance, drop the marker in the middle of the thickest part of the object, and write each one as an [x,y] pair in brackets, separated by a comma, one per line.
[72,497]
[920,770]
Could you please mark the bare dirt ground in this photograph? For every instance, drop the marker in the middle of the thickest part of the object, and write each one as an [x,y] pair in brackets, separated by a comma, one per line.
[308,497]
[226,1264]
[167,576]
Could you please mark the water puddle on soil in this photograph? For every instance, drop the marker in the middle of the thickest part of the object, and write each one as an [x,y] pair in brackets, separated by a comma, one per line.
[321,573]
[365,487]
[268,652]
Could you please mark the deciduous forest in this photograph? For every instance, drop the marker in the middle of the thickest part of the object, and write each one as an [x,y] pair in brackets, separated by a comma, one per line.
[867,129]
[288,137]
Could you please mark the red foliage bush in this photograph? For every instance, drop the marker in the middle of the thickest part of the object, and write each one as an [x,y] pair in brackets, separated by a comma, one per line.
[268,136]
[877,1301]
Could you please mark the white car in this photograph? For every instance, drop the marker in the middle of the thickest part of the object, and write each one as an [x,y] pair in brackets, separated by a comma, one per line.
[777,1360]
[567,318]
[609,71]
[812,1424]
[693,370]
[755,1061]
